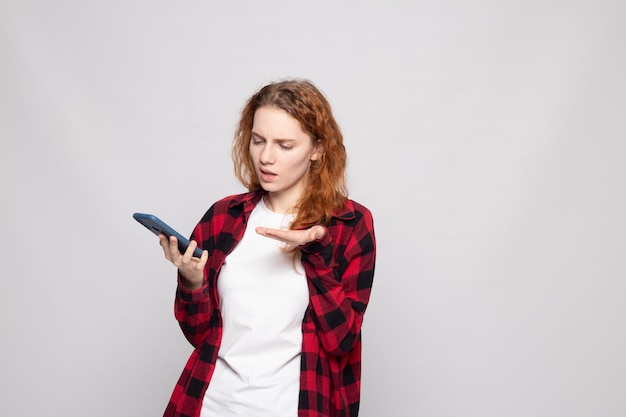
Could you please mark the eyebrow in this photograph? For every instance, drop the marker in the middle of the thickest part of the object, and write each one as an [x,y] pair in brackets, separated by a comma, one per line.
[283,140]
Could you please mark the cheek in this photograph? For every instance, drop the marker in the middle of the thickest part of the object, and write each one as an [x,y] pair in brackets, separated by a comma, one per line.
[301,163]
[252,153]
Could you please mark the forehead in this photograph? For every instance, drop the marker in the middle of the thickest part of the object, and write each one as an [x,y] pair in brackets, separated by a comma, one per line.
[272,122]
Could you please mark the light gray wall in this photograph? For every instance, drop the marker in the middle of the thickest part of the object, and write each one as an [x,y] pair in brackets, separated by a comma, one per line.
[487,137]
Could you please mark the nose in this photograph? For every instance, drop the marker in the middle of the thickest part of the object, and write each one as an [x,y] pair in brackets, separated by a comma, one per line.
[267,155]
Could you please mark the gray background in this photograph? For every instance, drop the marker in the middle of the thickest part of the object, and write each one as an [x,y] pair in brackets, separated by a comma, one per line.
[487,137]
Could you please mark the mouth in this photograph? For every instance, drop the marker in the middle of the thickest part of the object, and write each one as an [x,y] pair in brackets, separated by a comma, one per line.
[266,175]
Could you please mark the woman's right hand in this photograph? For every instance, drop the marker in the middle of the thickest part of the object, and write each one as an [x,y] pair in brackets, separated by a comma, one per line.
[191,269]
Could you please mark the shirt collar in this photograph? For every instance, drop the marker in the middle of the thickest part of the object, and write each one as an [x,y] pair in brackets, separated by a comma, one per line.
[249,200]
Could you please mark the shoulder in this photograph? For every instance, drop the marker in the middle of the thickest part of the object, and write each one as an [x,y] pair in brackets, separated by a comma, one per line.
[232,206]
[353,222]
[352,229]
[352,210]
[236,201]
[229,211]
[359,208]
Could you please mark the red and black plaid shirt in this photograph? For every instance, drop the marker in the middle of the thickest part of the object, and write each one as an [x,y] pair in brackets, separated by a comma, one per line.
[339,269]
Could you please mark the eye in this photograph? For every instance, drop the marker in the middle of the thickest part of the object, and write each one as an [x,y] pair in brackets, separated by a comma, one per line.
[286,146]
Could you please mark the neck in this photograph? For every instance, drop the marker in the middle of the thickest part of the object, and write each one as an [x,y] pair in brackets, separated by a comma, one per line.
[279,204]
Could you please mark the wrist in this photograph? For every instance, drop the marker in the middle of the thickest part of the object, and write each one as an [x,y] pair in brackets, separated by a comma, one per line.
[192,283]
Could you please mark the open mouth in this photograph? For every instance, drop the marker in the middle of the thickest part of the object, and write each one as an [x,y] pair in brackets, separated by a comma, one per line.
[266,175]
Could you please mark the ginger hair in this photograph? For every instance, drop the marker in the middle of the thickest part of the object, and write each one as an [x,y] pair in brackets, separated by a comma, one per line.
[325,188]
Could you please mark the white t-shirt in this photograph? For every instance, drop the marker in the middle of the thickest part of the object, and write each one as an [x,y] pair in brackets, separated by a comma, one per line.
[263,296]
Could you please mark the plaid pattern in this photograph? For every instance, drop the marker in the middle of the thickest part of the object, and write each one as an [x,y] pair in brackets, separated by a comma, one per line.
[340,271]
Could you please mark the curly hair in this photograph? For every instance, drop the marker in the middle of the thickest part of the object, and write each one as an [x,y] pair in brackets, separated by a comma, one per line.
[325,188]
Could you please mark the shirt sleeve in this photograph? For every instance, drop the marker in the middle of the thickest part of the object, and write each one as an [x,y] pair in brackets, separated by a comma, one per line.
[340,272]
[193,308]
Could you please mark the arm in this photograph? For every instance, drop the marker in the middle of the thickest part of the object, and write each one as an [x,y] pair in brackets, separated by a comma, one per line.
[193,310]
[340,270]
[339,265]
[196,305]
[192,306]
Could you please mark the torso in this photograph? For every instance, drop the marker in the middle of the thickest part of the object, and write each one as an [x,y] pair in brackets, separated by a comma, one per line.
[263,297]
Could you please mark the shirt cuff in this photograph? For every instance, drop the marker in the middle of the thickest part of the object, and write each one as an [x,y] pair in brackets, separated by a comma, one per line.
[318,245]
[192,296]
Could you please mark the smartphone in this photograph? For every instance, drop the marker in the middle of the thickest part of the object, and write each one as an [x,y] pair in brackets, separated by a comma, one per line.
[158,226]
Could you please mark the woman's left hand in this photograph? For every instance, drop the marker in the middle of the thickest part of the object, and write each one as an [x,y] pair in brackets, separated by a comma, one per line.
[293,238]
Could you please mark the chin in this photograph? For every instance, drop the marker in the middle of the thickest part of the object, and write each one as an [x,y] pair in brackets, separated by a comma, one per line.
[268,186]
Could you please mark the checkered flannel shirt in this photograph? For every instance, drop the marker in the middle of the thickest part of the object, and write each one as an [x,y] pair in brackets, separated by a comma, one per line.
[339,269]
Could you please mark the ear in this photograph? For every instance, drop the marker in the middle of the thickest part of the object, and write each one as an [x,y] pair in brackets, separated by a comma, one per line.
[317,154]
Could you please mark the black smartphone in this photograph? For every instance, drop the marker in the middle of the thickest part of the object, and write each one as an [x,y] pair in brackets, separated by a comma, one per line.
[158,226]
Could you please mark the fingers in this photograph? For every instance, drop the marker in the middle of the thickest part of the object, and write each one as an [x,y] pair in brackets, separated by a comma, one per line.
[293,237]
[267,232]
[191,269]
[277,234]
[165,245]
[175,255]
[189,251]
[317,232]
[172,253]
[204,258]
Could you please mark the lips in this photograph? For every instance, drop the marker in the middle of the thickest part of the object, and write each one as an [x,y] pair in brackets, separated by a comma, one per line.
[266,175]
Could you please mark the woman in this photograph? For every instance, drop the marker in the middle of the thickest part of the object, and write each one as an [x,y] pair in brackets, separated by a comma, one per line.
[274,305]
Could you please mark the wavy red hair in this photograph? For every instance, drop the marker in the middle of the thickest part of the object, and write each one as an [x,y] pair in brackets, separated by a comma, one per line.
[325,188]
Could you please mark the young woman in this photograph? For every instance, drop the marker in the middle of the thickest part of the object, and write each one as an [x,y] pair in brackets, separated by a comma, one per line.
[274,305]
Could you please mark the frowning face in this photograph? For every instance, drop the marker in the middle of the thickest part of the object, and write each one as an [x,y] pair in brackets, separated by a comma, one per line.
[281,153]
